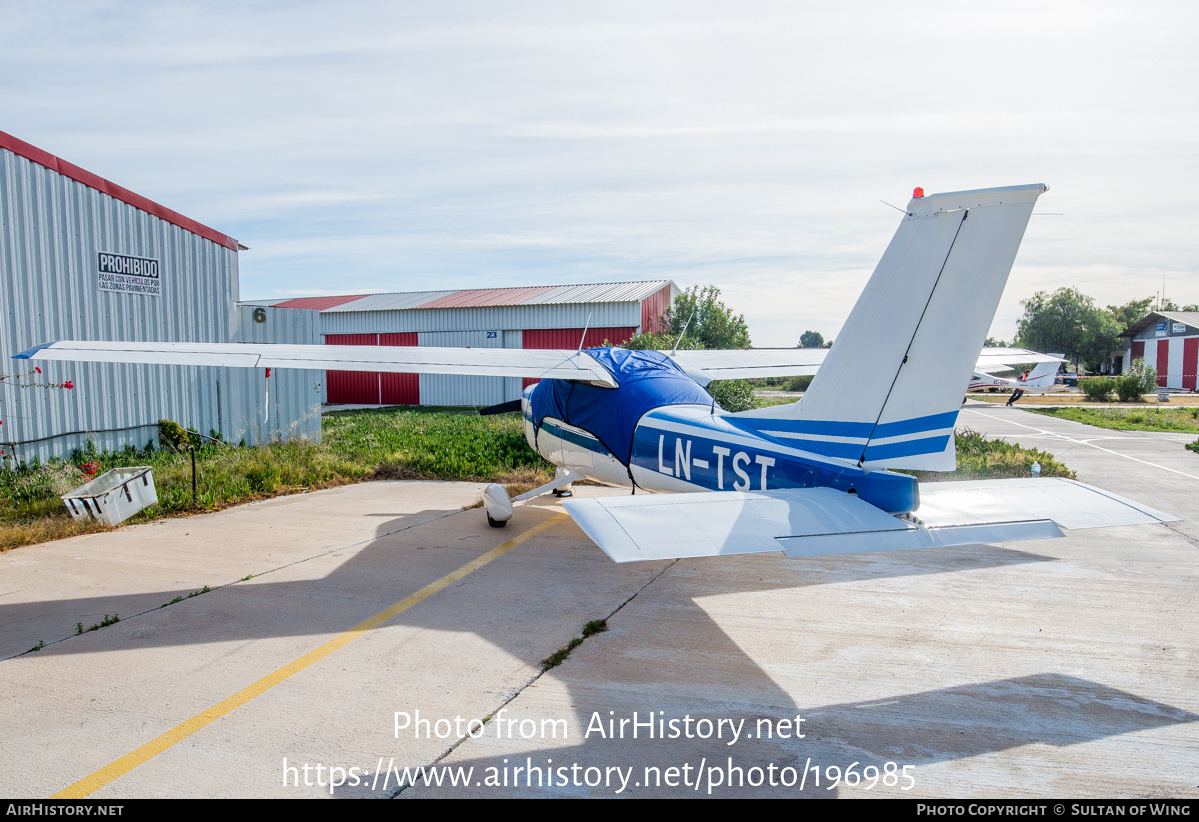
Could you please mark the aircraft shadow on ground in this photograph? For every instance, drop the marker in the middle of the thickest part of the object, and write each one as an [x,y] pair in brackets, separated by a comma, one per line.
[686,663]
[383,562]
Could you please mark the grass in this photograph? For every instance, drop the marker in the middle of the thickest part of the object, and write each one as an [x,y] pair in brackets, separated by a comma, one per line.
[1155,418]
[447,444]
[982,458]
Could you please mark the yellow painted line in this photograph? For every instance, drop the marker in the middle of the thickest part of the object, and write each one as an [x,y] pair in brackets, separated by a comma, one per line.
[89,784]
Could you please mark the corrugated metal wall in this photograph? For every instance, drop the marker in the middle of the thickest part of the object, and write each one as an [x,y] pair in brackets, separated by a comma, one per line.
[570,315]
[293,406]
[51,231]
[361,387]
[570,337]
[454,389]
[652,308]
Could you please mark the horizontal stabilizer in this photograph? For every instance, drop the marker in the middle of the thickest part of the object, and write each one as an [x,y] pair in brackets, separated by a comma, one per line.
[718,523]
[1069,503]
[807,522]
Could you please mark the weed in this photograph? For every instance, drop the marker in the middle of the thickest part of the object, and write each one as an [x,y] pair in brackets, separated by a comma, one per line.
[558,657]
[246,577]
[78,628]
[104,623]
[172,602]
[40,644]
[203,590]
[595,626]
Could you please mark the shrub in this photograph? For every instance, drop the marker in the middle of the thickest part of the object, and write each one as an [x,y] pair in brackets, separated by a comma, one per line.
[800,383]
[1137,380]
[1098,389]
[173,435]
[733,395]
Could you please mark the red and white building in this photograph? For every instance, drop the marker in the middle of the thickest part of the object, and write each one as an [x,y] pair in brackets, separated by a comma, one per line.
[1169,341]
[529,317]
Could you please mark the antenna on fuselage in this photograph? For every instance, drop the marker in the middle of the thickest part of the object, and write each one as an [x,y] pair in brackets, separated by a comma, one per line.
[584,338]
[675,350]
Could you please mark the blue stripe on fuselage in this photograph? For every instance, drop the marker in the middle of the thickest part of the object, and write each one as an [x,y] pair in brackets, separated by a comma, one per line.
[709,453]
[848,430]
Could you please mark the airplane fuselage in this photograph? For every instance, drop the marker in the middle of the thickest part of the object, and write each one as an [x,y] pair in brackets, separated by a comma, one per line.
[691,446]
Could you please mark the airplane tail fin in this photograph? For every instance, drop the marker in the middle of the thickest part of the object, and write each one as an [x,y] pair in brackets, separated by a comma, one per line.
[1042,375]
[889,391]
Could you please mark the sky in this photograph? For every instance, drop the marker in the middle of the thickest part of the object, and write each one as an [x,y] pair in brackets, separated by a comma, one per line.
[361,147]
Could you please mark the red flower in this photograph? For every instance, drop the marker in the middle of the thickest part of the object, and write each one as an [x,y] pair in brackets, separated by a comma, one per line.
[38,370]
[89,468]
[68,384]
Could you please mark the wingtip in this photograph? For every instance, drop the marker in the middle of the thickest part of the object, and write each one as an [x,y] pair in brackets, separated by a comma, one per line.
[29,353]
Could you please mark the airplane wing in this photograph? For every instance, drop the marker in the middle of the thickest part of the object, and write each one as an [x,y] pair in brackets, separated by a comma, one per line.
[488,362]
[807,522]
[705,366]
[999,359]
[702,366]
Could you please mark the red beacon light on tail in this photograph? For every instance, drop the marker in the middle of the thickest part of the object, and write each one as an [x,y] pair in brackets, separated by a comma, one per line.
[917,193]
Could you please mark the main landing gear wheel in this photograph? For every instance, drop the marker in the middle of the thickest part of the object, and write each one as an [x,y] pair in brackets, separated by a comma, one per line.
[495,523]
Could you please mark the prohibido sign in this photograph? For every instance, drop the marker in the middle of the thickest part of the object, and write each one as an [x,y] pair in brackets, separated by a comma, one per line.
[131,275]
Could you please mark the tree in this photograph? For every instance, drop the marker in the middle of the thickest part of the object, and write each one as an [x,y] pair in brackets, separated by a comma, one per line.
[706,319]
[1068,321]
[1170,305]
[1130,312]
[994,343]
[713,325]
[813,339]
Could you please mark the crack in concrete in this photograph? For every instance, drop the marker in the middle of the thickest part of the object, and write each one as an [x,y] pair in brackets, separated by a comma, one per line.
[521,688]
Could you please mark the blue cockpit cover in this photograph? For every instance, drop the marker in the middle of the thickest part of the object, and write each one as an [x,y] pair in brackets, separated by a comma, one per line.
[648,380]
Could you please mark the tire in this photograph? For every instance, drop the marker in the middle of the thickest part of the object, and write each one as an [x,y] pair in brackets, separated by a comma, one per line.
[496,523]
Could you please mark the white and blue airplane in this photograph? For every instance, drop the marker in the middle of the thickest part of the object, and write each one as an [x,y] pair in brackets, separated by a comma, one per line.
[810,478]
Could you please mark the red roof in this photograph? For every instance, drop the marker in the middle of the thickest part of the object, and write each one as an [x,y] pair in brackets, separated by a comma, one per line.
[319,303]
[474,297]
[79,175]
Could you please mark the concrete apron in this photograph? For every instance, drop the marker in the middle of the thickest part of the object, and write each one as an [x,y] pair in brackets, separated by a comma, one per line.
[78,705]
[1056,668]
[1053,668]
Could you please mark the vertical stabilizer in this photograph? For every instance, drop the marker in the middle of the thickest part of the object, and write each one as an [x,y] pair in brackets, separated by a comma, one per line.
[889,391]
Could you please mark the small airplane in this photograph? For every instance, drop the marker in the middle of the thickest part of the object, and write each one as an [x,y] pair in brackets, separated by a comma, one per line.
[810,478]
[1040,377]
